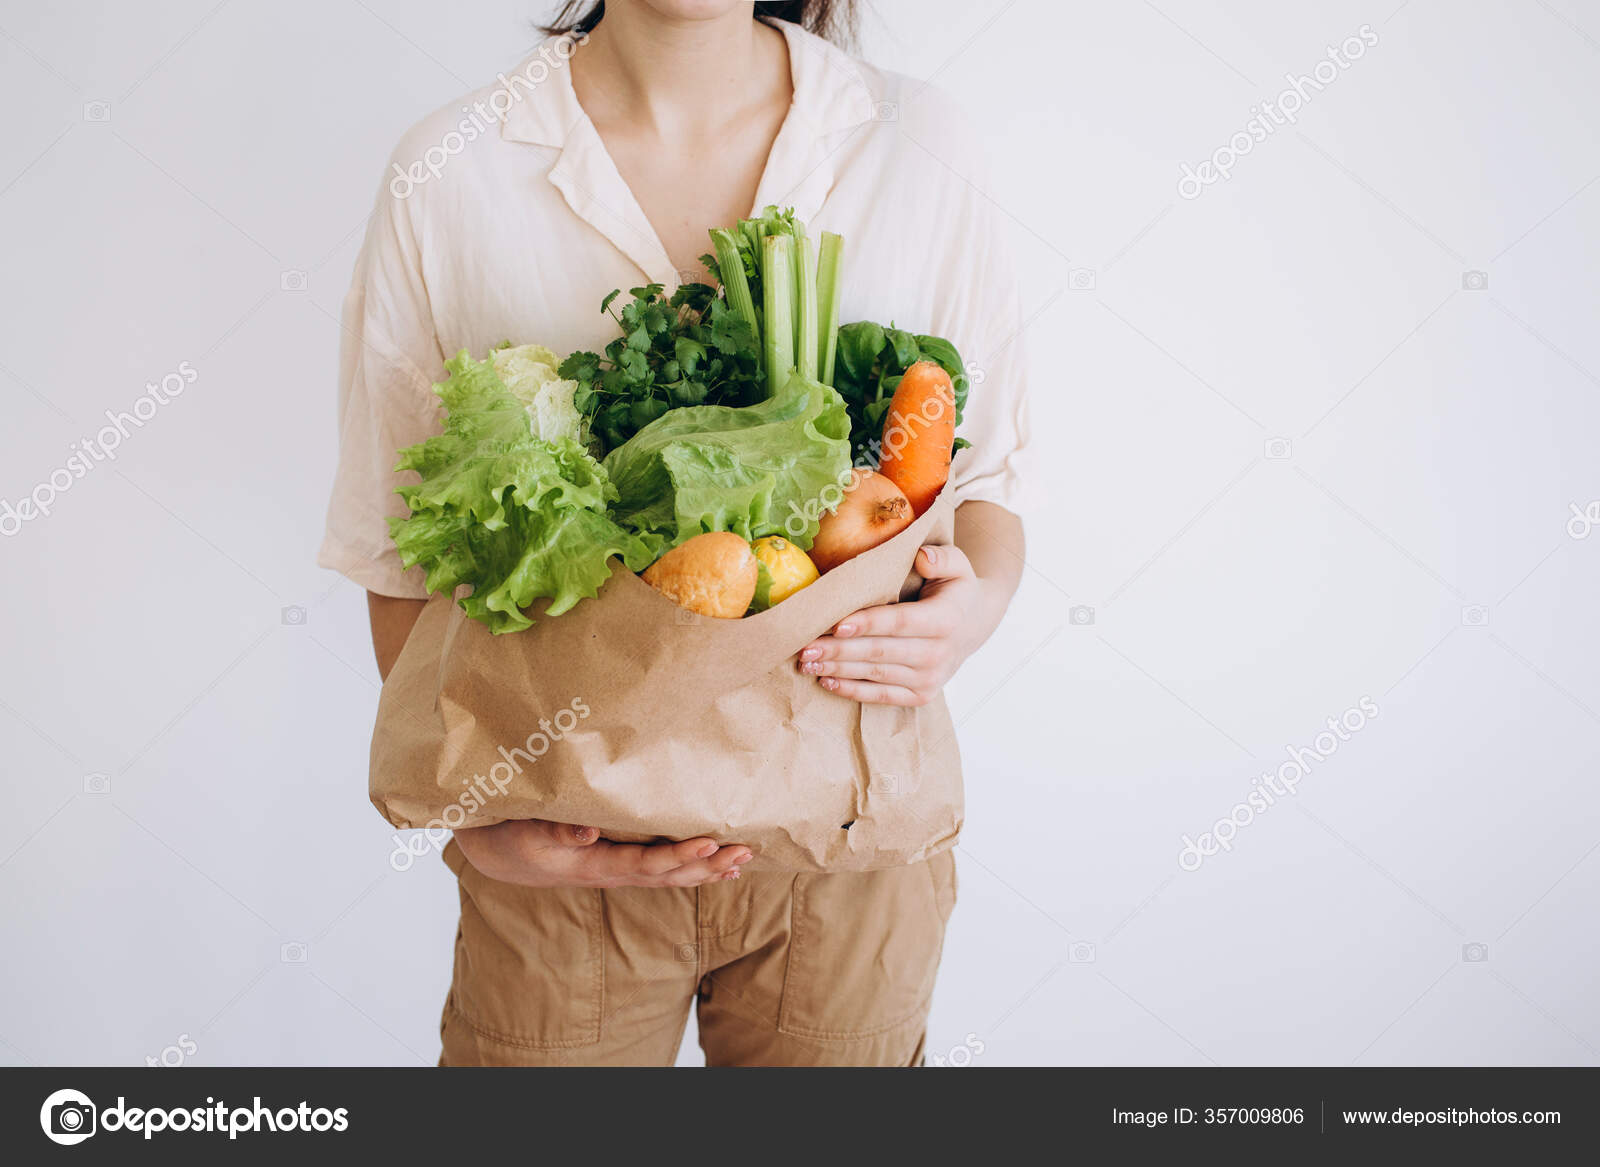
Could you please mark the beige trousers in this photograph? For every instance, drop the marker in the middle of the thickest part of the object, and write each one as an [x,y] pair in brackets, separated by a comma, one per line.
[784,969]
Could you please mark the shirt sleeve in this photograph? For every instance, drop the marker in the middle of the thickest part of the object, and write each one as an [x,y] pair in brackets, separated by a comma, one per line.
[983,316]
[389,359]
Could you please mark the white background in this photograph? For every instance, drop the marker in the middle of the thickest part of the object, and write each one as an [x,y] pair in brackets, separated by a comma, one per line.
[1437,435]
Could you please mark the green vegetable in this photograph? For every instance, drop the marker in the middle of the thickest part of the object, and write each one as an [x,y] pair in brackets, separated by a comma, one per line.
[762,600]
[829,269]
[870,361]
[777,253]
[518,518]
[529,372]
[736,410]
[514,516]
[801,282]
[805,322]
[758,470]
[691,349]
[728,268]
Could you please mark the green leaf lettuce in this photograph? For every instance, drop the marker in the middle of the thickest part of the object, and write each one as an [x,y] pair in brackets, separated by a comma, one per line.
[513,516]
[518,518]
[755,470]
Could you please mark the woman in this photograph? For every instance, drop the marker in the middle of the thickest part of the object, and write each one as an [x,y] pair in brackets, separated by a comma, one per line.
[600,163]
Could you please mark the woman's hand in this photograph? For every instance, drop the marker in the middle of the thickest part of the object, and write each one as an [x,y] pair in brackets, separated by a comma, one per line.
[902,654]
[534,853]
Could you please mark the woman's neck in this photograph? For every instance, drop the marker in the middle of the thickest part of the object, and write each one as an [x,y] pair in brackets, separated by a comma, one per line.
[674,77]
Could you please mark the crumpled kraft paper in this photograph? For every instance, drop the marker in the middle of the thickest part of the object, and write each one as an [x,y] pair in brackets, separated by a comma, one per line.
[632,715]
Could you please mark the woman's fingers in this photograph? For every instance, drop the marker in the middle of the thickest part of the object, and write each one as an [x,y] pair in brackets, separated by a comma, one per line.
[884,672]
[948,562]
[608,864]
[916,618]
[872,692]
[694,874]
[536,853]
[900,650]
[563,834]
[661,858]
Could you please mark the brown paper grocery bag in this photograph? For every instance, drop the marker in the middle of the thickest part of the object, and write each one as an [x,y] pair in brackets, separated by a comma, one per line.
[632,715]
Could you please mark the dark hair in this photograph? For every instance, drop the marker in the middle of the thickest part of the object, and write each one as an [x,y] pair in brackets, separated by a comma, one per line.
[833,19]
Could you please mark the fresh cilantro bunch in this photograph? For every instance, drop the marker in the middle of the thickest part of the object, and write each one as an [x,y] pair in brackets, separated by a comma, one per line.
[689,349]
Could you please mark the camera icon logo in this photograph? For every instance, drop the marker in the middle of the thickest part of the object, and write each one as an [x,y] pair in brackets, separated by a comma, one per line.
[1277,449]
[689,275]
[684,617]
[1474,953]
[97,111]
[1080,614]
[68,1117]
[1081,279]
[1475,616]
[294,614]
[886,111]
[1474,281]
[292,281]
[292,952]
[97,783]
[1081,953]
[686,953]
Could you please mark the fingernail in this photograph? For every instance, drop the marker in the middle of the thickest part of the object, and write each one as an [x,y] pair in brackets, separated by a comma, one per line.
[933,556]
[707,851]
[811,667]
[845,630]
[745,858]
[828,683]
[581,833]
[811,654]
[734,874]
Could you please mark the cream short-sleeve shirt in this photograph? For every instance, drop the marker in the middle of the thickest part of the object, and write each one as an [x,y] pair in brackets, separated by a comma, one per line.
[502,217]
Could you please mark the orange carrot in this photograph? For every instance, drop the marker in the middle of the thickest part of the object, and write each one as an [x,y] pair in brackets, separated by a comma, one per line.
[919,433]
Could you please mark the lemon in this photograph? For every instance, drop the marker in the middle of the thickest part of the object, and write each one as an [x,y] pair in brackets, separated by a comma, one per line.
[790,568]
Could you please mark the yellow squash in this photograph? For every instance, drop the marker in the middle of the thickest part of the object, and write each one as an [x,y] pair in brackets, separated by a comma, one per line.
[790,568]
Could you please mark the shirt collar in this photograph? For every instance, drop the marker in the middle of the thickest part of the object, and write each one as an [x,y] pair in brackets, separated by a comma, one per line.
[830,97]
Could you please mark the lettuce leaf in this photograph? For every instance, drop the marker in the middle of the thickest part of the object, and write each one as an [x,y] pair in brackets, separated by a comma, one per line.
[755,470]
[512,516]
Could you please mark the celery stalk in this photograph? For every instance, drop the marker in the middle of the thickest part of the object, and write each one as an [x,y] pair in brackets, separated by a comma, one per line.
[796,230]
[751,230]
[733,280]
[828,272]
[805,339]
[777,285]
